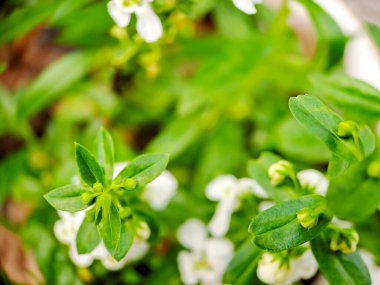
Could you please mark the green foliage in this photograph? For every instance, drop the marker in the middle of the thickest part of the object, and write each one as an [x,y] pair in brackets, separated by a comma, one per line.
[104,220]
[87,238]
[278,228]
[339,268]
[242,268]
[67,198]
[323,123]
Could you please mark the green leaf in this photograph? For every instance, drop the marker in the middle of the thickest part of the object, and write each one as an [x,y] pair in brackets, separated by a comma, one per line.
[278,228]
[144,169]
[87,238]
[374,31]
[293,140]
[353,195]
[52,84]
[355,98]
[105,151]
[89,169]
[330,39]
[339,268]
[67,198]
[117,235]
[24,19]
[323,123]
[242,268]
[258,170]
[110,224]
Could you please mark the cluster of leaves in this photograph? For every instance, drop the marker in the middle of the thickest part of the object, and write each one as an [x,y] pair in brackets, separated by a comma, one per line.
[211,106]
[110,219]
[354,176]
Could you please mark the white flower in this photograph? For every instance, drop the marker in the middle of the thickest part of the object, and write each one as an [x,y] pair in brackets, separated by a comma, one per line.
[160,191]
[157,193]
[228,191]
[272,270]
[66,230]
[148,23]
[314,179]
[247,6]
[207,258]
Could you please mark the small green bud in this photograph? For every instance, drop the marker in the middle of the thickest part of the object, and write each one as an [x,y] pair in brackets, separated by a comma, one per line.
[279,171]
[98,187]
[345,240]
[346,128]
[129,184]
[87,198]
[308,218]
[125,213]
[373,170]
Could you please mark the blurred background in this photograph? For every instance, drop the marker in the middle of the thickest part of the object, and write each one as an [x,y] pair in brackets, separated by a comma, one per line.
[212,92]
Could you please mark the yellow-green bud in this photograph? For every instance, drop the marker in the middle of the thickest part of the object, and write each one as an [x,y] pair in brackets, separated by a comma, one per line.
[373,170]
[98,187]
[129,184]
[279,171]
[308,218]
[346,128]
[87,198]
[125,213]
[345,240]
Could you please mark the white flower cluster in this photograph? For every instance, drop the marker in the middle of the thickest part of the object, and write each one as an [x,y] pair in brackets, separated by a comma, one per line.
[148,25]
[206,258]
[247,6]
[272,269]
[66,230]
[157,194]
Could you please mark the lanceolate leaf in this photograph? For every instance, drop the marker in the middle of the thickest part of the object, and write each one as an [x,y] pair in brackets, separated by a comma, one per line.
[242,268]
[67,198]
[105,151]
[355,98]
[117,235]
[144,169]
[89,169]
[323,123]
[339,268]
[331,40]
[353,195]
[278,228]
[87,238]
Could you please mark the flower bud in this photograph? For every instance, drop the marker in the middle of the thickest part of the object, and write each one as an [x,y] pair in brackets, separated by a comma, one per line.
[373,170]
[346,128]
[307,217]
[88,198]
[345,240]
[125,213]
[279,171]
[98,187]
[129,184]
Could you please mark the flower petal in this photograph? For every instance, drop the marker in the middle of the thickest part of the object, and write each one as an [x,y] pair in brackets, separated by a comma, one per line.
[149,24]
[315,179]
[247,6]
[186,262]
[119,15]
[219,253]
[160,191]
[304,267]
[247,185]
[192,234]
[220,222]
[269,270]
[80,260]
[220,187]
